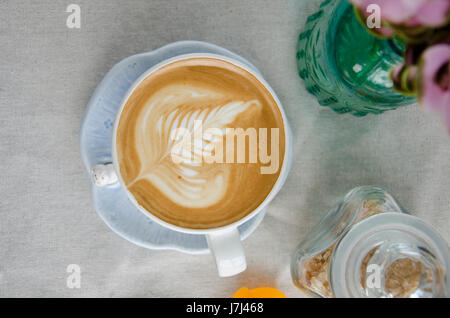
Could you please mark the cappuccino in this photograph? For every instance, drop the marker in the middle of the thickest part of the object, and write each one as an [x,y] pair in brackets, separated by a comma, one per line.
[200,143]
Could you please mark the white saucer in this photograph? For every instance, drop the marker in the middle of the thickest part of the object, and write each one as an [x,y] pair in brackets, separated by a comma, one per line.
[112,203]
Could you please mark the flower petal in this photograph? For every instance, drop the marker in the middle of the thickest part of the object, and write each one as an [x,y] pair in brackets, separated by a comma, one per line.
[432,95]
[434,13]
[412,13]
[397,12]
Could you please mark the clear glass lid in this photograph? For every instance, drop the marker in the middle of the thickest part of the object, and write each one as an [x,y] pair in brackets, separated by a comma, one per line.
[391,255]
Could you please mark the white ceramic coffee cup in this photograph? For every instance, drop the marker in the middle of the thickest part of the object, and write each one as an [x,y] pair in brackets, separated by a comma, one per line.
[224,242]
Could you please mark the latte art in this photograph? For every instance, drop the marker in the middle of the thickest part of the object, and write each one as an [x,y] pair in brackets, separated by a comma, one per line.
[188,183]
[174,183]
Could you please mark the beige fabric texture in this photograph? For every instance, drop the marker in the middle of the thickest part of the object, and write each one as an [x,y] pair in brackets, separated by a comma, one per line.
[47,217]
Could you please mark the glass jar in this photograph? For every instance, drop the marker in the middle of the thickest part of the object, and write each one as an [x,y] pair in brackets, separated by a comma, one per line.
[344,66]
[368,246]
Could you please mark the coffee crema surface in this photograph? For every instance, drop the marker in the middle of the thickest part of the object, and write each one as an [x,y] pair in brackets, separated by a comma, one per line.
[194,193]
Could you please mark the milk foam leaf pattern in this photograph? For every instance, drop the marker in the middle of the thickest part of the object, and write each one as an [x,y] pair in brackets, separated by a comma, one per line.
[189,181]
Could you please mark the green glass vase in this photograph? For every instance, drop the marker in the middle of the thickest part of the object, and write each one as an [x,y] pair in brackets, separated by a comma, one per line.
[346,67]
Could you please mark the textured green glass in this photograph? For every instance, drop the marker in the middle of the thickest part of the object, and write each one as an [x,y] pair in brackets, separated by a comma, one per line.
[346,67]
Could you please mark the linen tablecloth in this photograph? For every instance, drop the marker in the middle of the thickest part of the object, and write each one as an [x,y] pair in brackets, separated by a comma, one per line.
[47,218]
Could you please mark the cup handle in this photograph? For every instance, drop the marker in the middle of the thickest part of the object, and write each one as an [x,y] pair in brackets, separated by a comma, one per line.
[226,247]
[104,175]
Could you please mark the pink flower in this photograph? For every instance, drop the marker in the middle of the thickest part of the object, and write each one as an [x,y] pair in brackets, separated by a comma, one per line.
[434,80]
[425,25]
[398,14]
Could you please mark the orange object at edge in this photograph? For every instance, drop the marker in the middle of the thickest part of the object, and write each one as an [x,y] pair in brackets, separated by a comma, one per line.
[261,292]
